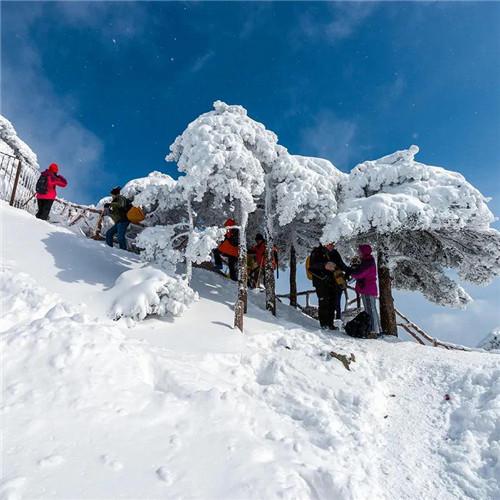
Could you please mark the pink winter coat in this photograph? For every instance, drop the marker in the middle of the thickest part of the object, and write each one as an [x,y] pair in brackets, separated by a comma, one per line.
[366,273]
[52,181]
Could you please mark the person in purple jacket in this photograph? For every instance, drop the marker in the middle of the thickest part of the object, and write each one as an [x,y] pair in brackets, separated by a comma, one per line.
[365,275]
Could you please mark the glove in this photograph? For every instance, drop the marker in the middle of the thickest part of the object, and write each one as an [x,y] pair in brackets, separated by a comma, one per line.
[107,205]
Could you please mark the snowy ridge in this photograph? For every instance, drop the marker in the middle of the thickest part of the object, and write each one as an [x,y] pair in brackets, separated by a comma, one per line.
[189,408]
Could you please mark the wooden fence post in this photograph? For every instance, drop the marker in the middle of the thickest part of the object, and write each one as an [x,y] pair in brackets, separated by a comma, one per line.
[16,181]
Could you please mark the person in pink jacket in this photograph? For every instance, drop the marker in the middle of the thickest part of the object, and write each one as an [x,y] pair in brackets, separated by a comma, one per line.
[365,275]
[46,190]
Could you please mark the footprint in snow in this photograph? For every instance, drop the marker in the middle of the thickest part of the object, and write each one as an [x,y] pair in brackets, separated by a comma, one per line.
[174,442]
[113,464]
[50,461]
[164,475]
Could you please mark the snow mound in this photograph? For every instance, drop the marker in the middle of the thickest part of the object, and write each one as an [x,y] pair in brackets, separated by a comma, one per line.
[84,363]
[93,408]
[474,432]
[139,293]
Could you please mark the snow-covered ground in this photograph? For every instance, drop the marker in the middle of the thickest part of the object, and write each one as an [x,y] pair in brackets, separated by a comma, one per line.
[189,408]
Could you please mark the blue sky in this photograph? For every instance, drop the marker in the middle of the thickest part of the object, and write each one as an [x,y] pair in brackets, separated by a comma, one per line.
[104,88]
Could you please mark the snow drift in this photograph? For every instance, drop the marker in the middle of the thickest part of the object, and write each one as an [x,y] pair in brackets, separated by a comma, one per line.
[190,408]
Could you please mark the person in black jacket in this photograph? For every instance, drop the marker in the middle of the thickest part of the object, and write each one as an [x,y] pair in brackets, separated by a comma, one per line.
[324,260]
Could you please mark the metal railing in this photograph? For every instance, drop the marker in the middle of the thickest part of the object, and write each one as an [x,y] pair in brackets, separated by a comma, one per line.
[17,182]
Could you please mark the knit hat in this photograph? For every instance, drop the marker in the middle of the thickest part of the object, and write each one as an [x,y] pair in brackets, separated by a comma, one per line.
[229,222]
[53,167]
[116,190]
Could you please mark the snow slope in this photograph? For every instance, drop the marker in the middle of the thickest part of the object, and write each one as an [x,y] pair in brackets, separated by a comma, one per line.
[189,408]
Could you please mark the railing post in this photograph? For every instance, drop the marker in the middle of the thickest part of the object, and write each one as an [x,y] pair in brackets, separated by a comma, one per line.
[16,181]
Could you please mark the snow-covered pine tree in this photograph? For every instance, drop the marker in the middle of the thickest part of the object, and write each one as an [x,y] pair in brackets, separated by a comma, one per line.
[221,152]
[306,197]
[423,221]
[10,143]
[491,342]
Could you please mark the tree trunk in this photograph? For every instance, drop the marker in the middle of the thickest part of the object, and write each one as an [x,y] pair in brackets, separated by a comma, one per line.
[387,311]
[189,264]
[293,277]
[241,301]
[269,281]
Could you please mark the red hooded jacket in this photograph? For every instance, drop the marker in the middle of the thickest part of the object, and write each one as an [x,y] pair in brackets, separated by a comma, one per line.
[53,180]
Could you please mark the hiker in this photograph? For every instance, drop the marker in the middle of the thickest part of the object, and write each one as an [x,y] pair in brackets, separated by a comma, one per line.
[365,274]
[117,210]
[258,251]
[46,190]
[323,262]
[229,248]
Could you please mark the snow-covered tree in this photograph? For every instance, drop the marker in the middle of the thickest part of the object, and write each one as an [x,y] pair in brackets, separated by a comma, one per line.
[306,197]
[10,143]
[221,153]
[491,342]
[13,147]
[162,245]
[423,221]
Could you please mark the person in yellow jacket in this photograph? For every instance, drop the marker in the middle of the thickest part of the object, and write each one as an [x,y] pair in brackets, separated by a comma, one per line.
[229,249]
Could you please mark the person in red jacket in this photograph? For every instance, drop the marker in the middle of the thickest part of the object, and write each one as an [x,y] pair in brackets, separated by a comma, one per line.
[46,190]
[259,251]
[229,248]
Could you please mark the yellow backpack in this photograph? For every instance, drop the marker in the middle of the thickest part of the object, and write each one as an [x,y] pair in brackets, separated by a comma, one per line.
[308,272]
[135,215]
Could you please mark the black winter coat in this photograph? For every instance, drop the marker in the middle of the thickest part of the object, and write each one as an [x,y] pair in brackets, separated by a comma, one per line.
[319,257]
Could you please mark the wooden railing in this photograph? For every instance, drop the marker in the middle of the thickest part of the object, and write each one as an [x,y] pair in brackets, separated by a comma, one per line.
[76,213]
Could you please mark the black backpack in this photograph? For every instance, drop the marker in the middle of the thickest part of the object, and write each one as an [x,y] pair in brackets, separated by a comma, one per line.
[42,184]
[359,327]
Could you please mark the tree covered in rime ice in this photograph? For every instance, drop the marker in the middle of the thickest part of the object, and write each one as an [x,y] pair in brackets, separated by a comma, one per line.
[221,153]
[234,167]
[422,220]
[491,342]
[306,197]
[11,144]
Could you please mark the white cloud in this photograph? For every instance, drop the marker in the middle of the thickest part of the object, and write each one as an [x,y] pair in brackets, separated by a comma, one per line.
[329,137]
[468,326]
[43,120]
[109,20]
[201,62]
[46,120]
[341,22]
